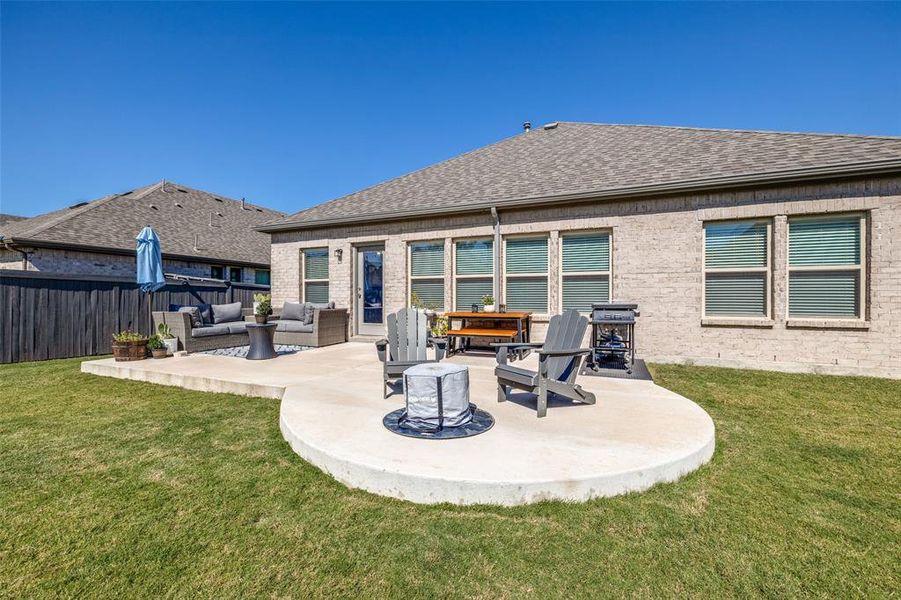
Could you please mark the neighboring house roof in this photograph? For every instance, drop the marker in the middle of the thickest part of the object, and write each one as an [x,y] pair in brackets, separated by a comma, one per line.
[4,219]
[176,212]
[575,161]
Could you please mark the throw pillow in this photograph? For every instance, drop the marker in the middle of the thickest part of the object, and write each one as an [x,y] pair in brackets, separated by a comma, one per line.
[311,307]
[196,320]
[226,313]
[292,311]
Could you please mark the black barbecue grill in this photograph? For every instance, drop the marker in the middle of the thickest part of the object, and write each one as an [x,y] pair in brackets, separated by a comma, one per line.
[613,336]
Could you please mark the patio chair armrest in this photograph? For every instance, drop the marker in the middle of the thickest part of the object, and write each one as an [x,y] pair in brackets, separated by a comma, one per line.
[503,350]
[564,352]
[329,317]
[440,344]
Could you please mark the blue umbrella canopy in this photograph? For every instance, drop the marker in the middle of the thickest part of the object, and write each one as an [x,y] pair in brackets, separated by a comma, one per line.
[150,261]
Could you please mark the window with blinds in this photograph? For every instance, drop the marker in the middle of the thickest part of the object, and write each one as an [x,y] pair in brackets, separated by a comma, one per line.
[526,274]
[426,260]
[585,270]
[473,272]
[315,275]
[737,269]
[826,267]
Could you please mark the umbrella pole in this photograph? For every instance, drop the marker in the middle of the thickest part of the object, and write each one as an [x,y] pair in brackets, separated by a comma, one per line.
[150,314]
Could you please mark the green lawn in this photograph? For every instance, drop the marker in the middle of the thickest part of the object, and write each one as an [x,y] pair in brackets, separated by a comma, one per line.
[118,488]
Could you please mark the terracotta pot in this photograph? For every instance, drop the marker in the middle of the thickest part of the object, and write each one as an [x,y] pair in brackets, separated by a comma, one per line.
[261,319]
[160,352]
[136,350]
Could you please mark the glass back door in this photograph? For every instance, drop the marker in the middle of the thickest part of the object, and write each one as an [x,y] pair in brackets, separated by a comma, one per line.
[370,311]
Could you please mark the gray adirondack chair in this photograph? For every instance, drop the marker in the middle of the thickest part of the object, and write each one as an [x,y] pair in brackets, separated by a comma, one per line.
[406,344]
[559,359]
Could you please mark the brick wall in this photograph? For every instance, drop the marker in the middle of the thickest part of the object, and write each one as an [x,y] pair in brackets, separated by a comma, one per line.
[90,263]
[657,263]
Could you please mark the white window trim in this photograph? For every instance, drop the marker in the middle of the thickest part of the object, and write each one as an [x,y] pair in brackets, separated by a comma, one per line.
[411,278]
[303,271]
[608,272]
[455,277]
[768,270]
[547,274]
[861,268]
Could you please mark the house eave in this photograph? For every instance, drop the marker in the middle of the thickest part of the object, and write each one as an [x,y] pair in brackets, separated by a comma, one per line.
[36,243]
[720,183]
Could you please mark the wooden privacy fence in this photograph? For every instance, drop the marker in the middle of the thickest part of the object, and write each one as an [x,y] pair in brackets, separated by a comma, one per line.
[58,316]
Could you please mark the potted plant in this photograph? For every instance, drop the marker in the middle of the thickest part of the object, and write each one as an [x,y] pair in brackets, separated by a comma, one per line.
[129,345]
[488,302]
[169,340]
[417,303]
[262,307]
[156,347]
[439,327]
[257,298]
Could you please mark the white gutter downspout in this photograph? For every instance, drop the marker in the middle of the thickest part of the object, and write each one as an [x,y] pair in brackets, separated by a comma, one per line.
[497,255]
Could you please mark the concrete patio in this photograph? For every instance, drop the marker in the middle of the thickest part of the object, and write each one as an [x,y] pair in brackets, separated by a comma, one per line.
[637,435]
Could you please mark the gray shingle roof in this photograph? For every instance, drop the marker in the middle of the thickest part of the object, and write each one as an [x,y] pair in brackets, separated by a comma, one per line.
[176,212]
[578,158]
[5,218]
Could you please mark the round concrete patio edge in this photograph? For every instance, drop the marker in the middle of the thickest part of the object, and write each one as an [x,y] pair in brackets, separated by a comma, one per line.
[369,470]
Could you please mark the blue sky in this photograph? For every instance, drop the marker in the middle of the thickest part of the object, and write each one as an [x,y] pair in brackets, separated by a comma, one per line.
[293,104]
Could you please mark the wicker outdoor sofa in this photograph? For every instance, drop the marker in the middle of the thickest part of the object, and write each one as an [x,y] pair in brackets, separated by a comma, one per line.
[329,326]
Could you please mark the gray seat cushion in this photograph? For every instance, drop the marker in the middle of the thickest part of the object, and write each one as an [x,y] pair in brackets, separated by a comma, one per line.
[209,330]
[238,327]
[227,313]
[293,311]
[293,326]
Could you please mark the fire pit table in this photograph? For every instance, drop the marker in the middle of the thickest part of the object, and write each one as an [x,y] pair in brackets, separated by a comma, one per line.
[438,407]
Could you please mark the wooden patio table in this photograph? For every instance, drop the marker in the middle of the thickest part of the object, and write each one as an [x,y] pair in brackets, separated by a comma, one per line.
[514,326]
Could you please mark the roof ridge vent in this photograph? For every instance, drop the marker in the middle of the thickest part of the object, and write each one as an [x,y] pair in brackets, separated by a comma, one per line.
[551,125]
[79,205]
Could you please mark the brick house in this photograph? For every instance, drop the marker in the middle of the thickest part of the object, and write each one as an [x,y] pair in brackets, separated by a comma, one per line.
[742,248]
[202,234]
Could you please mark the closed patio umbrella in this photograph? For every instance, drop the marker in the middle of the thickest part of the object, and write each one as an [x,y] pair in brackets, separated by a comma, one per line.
[150,275]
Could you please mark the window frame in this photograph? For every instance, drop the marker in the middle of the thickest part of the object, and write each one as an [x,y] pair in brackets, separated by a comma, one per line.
[861,268]
[456,277]
[546,236]
[258,272]
[411,277]
[222,267]
[239,270]
[303,271]
[767,270]
[608,272]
